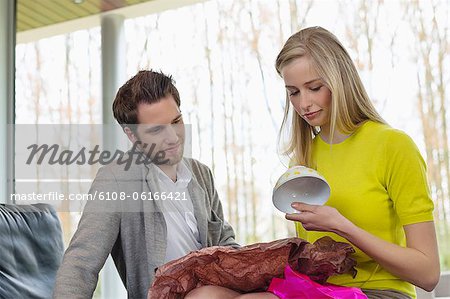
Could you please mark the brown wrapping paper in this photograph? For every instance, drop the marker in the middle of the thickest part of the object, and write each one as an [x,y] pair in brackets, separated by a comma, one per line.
[251,268]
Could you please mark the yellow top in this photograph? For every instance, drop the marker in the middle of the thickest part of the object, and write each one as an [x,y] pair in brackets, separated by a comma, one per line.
[378,181]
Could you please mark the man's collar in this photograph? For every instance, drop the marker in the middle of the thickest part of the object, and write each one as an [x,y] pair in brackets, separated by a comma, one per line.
[184,175]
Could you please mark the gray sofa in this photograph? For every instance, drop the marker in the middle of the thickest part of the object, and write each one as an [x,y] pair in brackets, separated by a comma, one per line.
[31,249]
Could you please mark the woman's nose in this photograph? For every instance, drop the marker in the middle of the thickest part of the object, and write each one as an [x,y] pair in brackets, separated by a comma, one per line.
[304,103]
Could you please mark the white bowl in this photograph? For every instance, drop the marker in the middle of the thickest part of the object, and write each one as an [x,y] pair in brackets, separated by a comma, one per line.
[300,184]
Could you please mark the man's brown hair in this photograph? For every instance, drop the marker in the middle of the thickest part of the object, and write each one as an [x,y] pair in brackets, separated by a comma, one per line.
[147,87]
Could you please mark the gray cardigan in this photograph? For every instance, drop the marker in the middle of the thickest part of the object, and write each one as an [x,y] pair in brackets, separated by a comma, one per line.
[136,240]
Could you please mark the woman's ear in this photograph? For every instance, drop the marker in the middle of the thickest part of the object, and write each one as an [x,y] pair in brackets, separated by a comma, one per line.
[131,136]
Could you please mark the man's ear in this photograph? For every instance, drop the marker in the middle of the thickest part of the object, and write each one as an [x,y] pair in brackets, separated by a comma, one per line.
[131,136]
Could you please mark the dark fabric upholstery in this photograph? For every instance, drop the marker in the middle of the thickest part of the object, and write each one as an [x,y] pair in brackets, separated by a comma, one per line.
[31,250]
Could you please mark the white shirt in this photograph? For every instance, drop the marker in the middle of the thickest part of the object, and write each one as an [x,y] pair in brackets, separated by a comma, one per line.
[182,231]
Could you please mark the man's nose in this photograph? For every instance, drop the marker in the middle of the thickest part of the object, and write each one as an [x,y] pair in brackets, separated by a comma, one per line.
[171,135]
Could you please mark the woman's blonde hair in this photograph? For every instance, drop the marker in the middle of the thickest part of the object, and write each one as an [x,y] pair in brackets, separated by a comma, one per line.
[350,104]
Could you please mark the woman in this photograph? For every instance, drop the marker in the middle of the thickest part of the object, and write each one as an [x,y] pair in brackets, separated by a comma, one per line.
[380,201]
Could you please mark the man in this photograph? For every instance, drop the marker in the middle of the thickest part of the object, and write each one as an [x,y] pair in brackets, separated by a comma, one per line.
[162,230]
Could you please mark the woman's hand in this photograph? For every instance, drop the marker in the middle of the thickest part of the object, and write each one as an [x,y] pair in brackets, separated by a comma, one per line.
[417,263]
[318,218]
